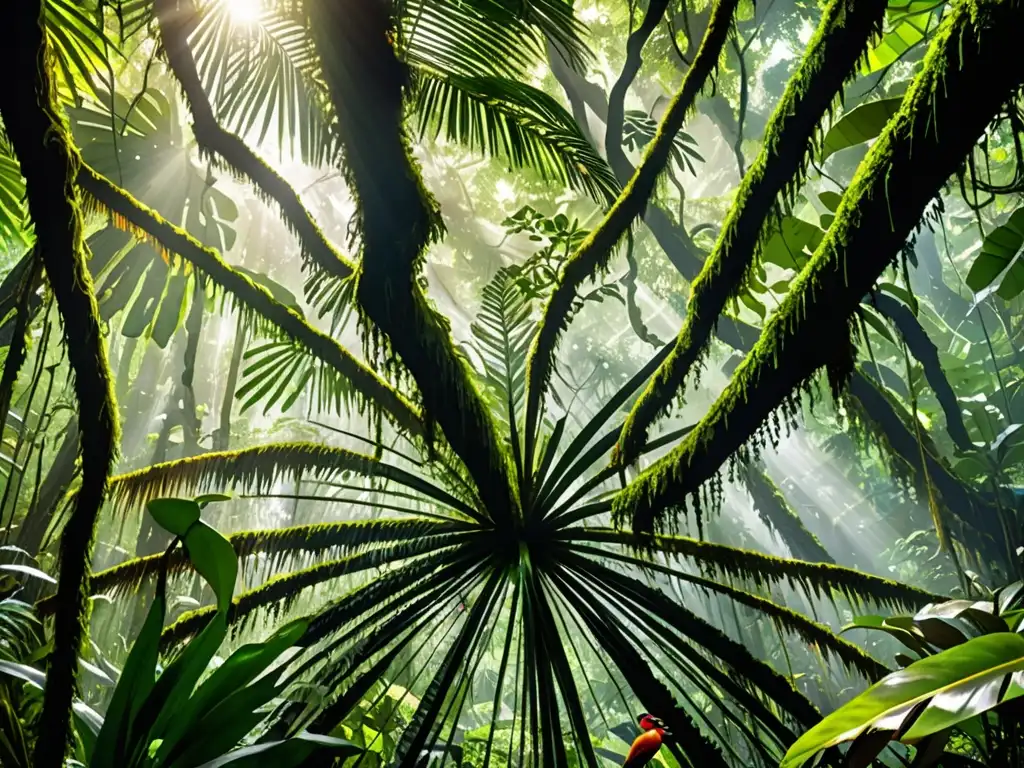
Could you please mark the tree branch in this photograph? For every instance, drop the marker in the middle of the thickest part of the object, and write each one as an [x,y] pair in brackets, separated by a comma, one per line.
[965,80]
[145,223]
[176,19]
[41,140]
[595,252]
[927,354]
[366,81]
[841,39]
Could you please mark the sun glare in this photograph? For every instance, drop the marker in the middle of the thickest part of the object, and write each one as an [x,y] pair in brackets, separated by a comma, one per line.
[244,11]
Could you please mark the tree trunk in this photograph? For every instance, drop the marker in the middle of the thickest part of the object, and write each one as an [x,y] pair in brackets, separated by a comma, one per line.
[40,138]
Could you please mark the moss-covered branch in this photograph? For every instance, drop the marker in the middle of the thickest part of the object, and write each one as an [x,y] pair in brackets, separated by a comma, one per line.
[257,469]
[842,37]
[49,161]
[176,19]
[147,224]
[27,287]
[596,251]
[927,354]
[366,82]
[779,516]
[816,580]
[965,79]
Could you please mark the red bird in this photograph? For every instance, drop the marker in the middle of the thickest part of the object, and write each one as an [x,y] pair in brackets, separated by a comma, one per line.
[647,744]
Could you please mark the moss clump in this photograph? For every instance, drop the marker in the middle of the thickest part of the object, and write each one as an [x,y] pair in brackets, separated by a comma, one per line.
[791,137]
[963,83]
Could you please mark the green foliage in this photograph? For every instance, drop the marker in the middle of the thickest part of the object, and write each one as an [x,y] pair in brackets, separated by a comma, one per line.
[970,655]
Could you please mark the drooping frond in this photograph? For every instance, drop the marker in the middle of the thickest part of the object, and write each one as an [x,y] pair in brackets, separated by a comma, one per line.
[816,580]
[259,468]
[264,79]
[512,120]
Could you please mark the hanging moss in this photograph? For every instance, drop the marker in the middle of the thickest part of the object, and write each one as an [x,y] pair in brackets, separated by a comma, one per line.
[259,468]
[872,413]
[963,83]
[176,21]
[146,224]
[816,580]
[398,219]
[36,127]
[779,516]
[791,137]
[595,252]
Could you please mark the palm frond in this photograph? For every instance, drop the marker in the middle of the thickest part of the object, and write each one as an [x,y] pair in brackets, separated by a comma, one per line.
[264,80]
[14,223]
[816,580]
[509,119]
[277,546]
[259,468]
[501,336]
[82,48]
[283,590]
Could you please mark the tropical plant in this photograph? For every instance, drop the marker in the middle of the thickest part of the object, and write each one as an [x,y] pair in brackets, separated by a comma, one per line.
[955,700]
[181,716]
[504,499]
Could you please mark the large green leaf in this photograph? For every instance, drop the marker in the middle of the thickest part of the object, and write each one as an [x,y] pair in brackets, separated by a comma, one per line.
[860,124]
[910,21]
[791,243]
[930,695]
[174,515]
[214,558]
[998,256]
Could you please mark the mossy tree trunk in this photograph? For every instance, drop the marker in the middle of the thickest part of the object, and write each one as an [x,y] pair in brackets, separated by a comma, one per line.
[398,219]
[846,28]
[41,140]
[176,19]
[596,251]
[964,82]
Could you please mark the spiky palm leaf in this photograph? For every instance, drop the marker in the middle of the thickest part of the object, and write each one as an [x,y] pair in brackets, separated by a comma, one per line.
[458,588]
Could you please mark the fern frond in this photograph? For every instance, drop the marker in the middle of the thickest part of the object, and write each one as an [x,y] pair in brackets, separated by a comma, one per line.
[506,118]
